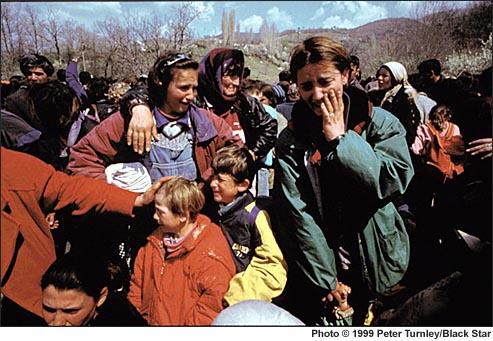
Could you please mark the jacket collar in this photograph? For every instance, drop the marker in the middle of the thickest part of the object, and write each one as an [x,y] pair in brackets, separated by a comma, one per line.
[202,127]
[239,203]
[156,238]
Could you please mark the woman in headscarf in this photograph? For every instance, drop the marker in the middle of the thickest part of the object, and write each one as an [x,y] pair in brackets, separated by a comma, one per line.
[399,97]
[219,90]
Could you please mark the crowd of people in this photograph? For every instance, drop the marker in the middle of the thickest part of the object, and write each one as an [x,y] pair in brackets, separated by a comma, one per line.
[196,195]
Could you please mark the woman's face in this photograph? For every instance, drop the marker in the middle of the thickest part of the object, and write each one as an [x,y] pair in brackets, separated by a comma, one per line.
[231,86]
[69,307]
[384,79]
[181,91]
[315,80]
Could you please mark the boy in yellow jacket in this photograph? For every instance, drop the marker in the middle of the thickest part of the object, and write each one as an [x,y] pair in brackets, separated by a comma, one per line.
[261,271]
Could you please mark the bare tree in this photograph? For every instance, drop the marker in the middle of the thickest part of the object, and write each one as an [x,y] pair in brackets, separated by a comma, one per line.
[35,28]
[179,28]
[432,36]
[110,34]
[53,29]
[152,35]
[238,32]
[10,50]
[272,37]
[145,34]
[264,32]
[8,18]
[251,35]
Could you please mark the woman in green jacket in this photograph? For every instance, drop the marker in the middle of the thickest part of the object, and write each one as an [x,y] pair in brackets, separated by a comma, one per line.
[336,174]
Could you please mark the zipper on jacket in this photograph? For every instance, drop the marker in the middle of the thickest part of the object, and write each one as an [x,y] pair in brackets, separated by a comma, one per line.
[163,254]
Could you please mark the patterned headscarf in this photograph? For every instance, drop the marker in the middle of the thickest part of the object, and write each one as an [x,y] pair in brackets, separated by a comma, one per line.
[211,70]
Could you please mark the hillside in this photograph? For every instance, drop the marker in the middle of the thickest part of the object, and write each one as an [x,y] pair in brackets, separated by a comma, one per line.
[358,41]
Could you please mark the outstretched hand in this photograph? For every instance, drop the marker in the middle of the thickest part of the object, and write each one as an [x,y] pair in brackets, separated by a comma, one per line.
[52,221]
[148,196]
[481,146]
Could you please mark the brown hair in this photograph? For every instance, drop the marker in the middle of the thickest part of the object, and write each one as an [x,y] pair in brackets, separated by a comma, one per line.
[161,74]
[182,196]
[317,49]
[236,161]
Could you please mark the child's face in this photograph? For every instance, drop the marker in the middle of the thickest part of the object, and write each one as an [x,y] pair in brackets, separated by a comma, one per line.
[224,188]
[167,220]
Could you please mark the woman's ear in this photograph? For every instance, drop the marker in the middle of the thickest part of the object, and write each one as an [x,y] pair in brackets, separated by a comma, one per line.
[345,77]
[102,297]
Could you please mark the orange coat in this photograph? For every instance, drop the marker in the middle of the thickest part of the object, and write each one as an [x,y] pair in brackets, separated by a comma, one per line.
[186,287]
[30,190]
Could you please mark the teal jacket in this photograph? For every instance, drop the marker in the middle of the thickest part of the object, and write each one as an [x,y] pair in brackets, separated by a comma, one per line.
[344,197]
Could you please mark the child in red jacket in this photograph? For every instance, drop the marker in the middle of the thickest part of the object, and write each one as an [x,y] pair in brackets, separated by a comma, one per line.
[182,273]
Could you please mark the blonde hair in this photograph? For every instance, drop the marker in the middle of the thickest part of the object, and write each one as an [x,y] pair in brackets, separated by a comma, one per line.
[439,115]
[117,90]
[182,196]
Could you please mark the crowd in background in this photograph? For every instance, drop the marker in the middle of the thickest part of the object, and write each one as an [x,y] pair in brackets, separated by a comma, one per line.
[336,200]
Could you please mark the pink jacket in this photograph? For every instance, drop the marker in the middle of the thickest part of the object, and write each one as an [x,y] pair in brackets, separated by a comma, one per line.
[440,147]
[30,190]
[184,288]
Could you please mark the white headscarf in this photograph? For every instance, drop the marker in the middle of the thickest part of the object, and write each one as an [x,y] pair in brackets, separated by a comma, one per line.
[400,74]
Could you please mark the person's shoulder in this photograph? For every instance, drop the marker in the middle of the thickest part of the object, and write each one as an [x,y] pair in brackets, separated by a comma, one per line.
[210,241]
[261,205]
[383,118]
[17,168]
[14,157]
[423,98]
[206,228]
[270,110]
[20,93]
[286,139]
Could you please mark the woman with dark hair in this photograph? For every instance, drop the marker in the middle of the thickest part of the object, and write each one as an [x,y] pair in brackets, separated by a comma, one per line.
[188,138]
[78,290]
[187,135]
[56,107]
[219,92]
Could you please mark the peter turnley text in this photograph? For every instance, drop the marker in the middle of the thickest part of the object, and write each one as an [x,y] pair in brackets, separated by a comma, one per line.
[408,333]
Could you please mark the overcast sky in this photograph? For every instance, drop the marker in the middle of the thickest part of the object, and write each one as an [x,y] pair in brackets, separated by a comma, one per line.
[250,14]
